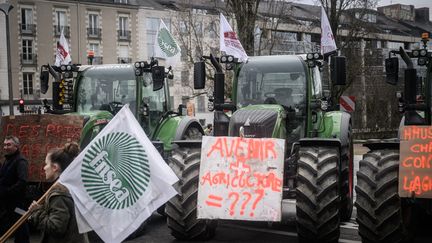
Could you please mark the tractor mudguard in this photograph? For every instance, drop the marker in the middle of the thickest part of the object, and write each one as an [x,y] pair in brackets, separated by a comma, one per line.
[173,129]
[184,124]
[93,124]
[336,125]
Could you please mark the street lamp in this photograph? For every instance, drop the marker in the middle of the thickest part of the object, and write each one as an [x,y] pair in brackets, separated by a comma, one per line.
[6,8]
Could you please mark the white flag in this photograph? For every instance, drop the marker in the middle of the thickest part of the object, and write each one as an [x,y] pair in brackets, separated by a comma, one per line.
[118,180]
[229,42]
[165,46]
[327,39]
[62,54]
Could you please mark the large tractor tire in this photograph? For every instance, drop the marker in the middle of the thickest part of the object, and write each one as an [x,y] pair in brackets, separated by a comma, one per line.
[347,178]
[379,211]
[318,198]
[181,210]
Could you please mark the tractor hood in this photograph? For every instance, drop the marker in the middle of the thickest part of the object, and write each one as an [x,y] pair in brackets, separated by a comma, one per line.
[256,121]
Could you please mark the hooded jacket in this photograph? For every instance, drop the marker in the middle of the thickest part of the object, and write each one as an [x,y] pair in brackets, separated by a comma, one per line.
[56,218]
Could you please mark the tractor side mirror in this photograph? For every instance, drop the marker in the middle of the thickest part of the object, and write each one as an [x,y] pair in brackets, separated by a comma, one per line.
[338,70]
[199,75]
[44,79]
[392,70]
[158,76]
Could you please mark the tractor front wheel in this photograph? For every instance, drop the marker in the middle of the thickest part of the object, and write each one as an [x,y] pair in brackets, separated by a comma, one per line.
[318,198]
[181,210]
[379,207]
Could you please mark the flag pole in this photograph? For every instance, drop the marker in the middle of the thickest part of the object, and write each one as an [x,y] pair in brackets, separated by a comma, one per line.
[24,217]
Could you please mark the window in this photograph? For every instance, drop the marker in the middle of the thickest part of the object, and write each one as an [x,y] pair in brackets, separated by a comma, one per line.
[27,19]
[185,100]
[95,48]
[123,25]
[183,27]
[185,78]
[124,54]
[201,103]
[152,25]
[184,56]
[60,20]
[93,24]
[28,83]
[27,50]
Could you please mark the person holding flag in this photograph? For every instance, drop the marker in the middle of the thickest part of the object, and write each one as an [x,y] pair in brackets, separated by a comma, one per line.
[229,43]
[165,46]
[56,217]
[62,54]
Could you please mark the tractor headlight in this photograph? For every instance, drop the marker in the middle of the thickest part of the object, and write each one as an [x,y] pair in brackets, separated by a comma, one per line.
[137,65]
[422,61]
[230,59]
[423,52]
[223,59]
[309,56]
[316,55]
[415,53]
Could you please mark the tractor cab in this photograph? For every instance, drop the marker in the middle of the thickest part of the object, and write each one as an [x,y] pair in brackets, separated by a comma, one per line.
[110,87]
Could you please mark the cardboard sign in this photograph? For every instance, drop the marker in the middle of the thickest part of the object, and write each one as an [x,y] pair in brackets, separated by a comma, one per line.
[38,134]
[415,166]
[241,178]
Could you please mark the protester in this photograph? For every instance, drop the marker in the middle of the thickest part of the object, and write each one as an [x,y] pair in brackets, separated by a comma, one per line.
[208,130]
[13,184]
[56,217]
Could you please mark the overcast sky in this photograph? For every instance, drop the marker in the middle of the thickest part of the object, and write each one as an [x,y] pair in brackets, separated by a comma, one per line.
[416,3]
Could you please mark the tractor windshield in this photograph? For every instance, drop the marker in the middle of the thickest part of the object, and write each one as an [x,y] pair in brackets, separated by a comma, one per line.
[106,88]
[272,80]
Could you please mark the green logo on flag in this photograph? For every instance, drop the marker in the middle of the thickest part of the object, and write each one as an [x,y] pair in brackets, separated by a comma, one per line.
[167,43]
[115,171]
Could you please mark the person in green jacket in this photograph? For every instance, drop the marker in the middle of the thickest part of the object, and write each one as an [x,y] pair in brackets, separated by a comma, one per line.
[56,217]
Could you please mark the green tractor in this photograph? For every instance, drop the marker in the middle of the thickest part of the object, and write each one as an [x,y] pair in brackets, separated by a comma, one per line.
[98,92]
[277,97]
[384,212]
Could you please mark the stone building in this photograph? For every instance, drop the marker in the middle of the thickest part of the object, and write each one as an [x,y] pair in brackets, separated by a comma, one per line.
[120,31]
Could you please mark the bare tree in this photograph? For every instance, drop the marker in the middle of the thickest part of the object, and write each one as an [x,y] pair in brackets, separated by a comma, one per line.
[245,12]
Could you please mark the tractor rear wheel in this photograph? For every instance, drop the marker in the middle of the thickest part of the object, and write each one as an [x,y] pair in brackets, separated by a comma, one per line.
[379,208]
[318,198]
[181,210]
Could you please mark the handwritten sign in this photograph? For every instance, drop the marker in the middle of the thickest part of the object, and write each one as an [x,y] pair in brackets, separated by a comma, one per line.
[415,167]
[38,134]
[241,178]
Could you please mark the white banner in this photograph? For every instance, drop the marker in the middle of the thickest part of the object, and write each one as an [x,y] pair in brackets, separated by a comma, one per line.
[166,47]
[62,54]
[118,180]
[241,178]
[229,42]
[327,39]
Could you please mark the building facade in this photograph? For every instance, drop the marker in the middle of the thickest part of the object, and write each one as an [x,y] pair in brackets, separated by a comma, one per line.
[123,31]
